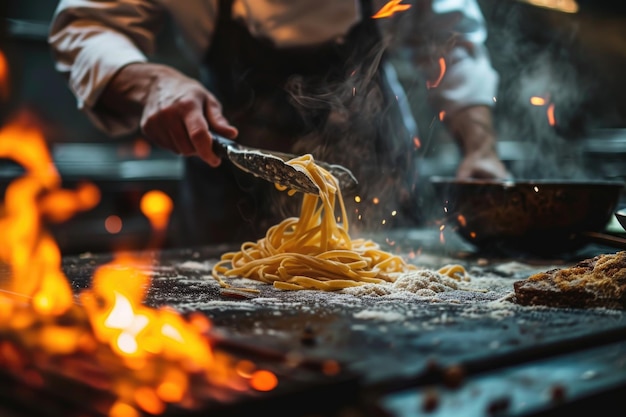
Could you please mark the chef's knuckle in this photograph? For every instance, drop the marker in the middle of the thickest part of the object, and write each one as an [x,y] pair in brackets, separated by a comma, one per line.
[197,134]
[186,105]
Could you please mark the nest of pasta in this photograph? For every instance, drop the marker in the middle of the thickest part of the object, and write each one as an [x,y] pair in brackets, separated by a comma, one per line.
[314,250]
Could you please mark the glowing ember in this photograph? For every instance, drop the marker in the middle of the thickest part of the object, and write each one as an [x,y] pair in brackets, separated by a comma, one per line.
[442,72]
[462,221]
[390,8]
[442,115]
[537,101]
[417,142]
[565,6]
[141,148]
[540,101]
[157,207]
[113,224]
[263,380]
[550,114]
[331,367]
[4,78]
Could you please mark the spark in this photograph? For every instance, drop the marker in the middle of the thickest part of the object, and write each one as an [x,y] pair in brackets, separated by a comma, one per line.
[392,7]
[442,72]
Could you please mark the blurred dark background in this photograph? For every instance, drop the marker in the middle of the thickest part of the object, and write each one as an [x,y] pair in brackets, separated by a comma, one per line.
[575,61]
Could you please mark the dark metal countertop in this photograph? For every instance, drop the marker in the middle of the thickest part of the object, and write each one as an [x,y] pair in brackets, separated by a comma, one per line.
[510,358]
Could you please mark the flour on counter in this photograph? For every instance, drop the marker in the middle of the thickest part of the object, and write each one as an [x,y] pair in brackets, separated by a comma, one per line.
[384,316]
[424,283]
[215,304]
[195,266]
[383,302]
[414,281]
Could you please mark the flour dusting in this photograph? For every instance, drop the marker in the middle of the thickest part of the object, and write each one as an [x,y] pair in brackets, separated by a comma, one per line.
[423,283]
[385,316]
[195,266]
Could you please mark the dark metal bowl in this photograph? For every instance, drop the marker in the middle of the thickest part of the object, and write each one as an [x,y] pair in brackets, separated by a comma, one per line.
[542,217]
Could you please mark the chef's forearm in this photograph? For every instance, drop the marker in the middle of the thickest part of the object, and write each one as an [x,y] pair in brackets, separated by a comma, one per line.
[92,40]
[127,92]
[473,129]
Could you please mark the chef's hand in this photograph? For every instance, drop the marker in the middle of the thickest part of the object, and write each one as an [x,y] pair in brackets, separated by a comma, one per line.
[472,127]
[176,111]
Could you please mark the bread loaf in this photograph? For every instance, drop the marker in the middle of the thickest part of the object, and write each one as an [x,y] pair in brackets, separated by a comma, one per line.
[595,282]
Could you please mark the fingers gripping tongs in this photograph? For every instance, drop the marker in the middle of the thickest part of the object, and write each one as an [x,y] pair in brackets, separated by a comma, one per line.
[271,166]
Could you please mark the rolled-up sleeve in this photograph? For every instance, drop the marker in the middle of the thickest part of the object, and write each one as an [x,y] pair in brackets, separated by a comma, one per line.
[93,39]
[469,77]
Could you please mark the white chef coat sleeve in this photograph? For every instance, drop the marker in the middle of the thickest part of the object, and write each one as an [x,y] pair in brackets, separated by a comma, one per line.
[92,40]
[469,77]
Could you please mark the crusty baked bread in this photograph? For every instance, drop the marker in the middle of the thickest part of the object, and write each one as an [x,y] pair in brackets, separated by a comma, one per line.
[594,282]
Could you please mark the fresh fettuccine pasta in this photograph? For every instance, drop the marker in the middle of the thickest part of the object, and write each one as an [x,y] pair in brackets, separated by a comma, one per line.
[312,251]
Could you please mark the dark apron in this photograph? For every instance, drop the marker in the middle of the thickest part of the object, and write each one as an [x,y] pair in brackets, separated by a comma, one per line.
[330,100]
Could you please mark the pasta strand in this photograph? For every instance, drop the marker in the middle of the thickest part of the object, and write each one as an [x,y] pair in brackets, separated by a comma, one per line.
[314,250]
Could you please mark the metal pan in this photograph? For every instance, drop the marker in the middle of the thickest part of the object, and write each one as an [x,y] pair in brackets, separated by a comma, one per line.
[540,217]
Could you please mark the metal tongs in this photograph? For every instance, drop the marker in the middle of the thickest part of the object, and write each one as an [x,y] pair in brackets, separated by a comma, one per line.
[271,166]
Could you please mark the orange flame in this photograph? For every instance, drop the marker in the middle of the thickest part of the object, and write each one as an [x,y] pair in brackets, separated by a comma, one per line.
[390,8]
[136,332]
[442,72]
[146,356]
[30,251]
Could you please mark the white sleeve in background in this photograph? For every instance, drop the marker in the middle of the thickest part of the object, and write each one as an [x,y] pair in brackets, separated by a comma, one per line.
[469,78]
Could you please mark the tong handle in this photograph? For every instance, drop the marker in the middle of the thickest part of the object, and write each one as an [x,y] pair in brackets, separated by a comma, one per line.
[221,145]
